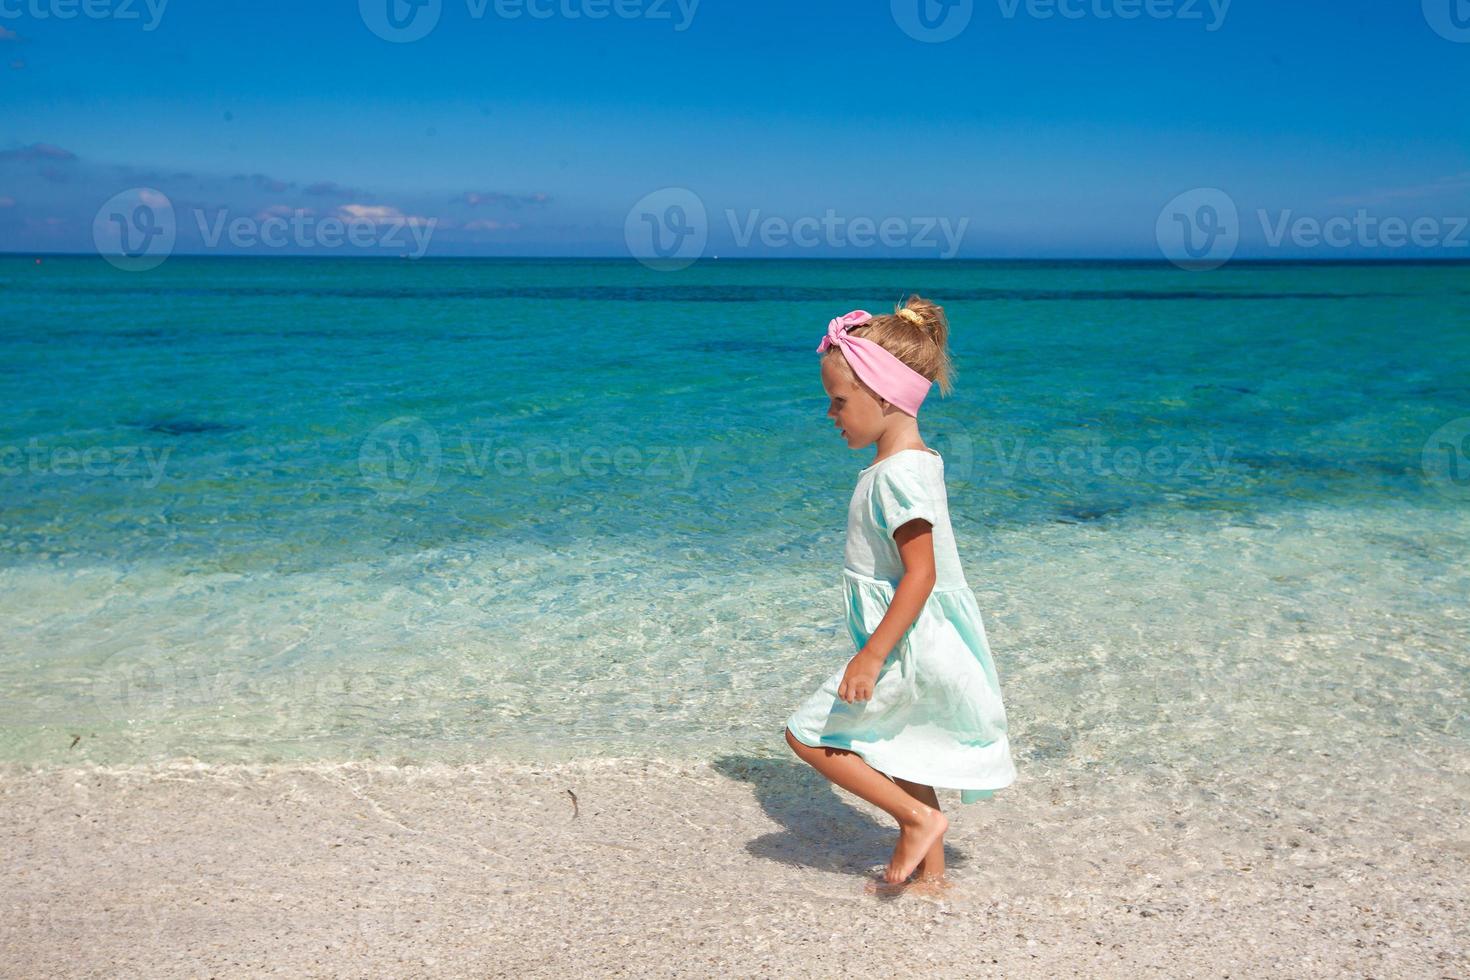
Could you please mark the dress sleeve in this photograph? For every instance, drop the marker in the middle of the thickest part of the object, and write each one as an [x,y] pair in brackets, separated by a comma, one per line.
[901,495]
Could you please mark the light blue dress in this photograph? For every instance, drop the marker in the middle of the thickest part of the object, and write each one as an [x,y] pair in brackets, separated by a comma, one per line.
[936,715]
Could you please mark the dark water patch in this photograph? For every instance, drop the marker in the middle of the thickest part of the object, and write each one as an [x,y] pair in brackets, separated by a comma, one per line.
[1047,744]
[1433,391]
[1087,513]
[186,426]
[1243,391]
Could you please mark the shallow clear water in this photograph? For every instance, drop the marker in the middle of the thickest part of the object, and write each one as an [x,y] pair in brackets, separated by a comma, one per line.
[309,509]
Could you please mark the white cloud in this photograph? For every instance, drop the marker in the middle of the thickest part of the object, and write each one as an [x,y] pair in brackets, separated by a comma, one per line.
[379,214]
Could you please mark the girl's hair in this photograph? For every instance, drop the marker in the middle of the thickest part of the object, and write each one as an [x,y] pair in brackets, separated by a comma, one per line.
[917,333]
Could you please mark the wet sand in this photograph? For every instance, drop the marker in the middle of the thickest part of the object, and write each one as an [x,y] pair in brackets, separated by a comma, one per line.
[1305,864]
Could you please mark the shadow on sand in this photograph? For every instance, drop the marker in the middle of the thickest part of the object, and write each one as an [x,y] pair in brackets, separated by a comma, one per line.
[823,827]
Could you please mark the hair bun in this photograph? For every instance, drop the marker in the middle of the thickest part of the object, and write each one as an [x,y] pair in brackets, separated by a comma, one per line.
[925,314]
[928,317]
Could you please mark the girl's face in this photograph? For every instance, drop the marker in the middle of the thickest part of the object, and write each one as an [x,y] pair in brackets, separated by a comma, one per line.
[851,406]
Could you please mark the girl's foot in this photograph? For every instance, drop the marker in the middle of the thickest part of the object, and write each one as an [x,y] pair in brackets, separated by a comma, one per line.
[933,886]
[914,841]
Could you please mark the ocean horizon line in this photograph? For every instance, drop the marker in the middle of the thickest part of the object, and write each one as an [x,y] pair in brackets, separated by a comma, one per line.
[1042,261]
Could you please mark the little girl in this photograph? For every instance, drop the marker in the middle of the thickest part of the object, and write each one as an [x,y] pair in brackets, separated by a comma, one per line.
[919,706]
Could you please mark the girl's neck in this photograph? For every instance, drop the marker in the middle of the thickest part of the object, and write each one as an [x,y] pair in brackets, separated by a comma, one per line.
[895,442]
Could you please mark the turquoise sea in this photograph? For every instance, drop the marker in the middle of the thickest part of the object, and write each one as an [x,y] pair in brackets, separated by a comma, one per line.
[309,509]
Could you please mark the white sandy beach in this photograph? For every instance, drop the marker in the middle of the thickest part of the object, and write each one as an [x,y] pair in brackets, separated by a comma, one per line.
[744,867]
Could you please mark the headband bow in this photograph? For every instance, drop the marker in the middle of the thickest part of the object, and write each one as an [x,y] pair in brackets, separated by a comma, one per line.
[887,375]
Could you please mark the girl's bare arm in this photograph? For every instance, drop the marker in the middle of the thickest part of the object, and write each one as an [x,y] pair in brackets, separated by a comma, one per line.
[916,547]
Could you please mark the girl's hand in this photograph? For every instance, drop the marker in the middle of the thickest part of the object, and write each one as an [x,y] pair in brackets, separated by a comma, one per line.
[858,679]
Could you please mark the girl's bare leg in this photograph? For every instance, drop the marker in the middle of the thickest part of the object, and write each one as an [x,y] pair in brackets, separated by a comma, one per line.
[933,864]
[919,825]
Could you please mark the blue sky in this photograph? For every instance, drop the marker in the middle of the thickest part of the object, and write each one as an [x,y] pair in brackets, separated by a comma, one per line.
[508,134]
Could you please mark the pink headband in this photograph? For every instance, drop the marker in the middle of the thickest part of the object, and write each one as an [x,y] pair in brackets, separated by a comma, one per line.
[878,369]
